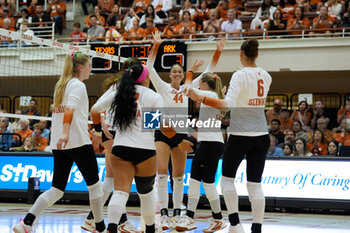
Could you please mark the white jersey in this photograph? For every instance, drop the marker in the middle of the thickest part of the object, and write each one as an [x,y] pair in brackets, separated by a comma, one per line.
[134,136]
[75,97]
[206,113]
[109,117]
[246,97]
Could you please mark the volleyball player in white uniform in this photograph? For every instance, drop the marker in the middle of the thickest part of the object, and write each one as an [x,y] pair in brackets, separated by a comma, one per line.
[176,102]
[108,134]
[70,142]
[248,132]
[133,149]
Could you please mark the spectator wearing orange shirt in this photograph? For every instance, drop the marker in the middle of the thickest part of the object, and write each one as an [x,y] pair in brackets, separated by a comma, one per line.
[32,111]
[322,126]
[149,30]
[106,6]
[116,33]
[323,21]
[57,12]
[299,22]
[24,131]
[6,15]
[237,5]
[343,135]
[287,8]
[222,9]
[39,142]
[32,7]
[286,122]
[100,19]
[202,14]
[187,26]
[302,114]
[136,32]
[317,146]
[275,112]
[344,112]
[140,6]
[172,29]
[76,34]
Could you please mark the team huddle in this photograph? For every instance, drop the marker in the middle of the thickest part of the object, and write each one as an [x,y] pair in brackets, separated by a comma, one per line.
[143,156]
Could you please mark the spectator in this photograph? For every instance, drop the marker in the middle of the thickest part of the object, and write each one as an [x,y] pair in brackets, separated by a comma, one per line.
[301,148]
[317,145]
[25,17]
[6,15]
[139,6]
[318,112]
[212,25]
[334,10]
[41,17]
[232,26]
[299,22]
[274,150]
[84,6]
[150,13]
[24,130]
[31,10]
[136,32]
[100,19]
[15,126]
[10,5]
[32,111]
[274,113]
[275,130]
[76,35]
[202,14]
[343,135]
[45,131]
[346,16]
[287,8]
[162,7]
[344,112]
[58,13]
[28,145]
[322,126]
[114,16]
[299,132]
[116,33]
[39,142]
[212,4]
[128,19]
[302,114]
[237,5]
[288,139]
[172,28]
[222,9]
[263,15]
[187,26]
[333,148]
[6,24]
[5,140]
[150,29]
[276,23]
[188,7]
[288,149]
[323,21]
[106,7]
[26,31]
[286,122]
[95,32]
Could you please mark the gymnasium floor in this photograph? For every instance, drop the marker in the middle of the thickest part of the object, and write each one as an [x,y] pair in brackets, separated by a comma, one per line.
[67,219]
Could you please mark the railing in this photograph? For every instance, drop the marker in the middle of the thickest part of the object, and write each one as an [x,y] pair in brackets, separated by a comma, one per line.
[47,31]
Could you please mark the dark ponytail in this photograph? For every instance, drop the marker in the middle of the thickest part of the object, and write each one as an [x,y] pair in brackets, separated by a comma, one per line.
[124,105]
[250,48]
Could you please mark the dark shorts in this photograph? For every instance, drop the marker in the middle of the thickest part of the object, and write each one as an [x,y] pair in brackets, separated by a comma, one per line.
[160,137]
[104,137]
[131,154]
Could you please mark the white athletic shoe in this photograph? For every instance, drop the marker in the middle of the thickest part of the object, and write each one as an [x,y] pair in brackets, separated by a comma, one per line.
[88,225]
[127,227]
[22,228]
[215,225]
[236,229]
[185,224]
[175,221]
[165,222]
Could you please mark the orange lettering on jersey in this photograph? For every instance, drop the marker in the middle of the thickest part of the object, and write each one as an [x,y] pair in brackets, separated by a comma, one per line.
[257,102]
[59,109]
[178,98]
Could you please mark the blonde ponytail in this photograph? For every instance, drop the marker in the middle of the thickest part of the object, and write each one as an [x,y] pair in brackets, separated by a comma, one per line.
[214,82]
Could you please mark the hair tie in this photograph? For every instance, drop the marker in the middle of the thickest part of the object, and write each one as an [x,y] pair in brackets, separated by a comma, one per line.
[129,70]
[214,76]
[74,54]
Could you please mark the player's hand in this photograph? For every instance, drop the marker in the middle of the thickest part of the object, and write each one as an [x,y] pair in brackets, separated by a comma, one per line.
[224,89]
[193,95]
[197,64]
[186,146]
[105,128]
[157,38]
[62,142]
[220,45]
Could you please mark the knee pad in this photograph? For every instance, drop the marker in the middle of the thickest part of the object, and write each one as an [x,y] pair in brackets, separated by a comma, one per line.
[210,191]
[228,185]
[194,189]
[95,191]
[52,195]
[162,181]
[144,184]
[255,191]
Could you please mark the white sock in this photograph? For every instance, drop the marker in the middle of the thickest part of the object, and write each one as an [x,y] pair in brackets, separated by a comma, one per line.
[96,202]
[147,208]
[45,200]
[178,191]
[257,200]
[163,195]
[116,206]
[107,186]
[194,189]
[213,196]
[230,194]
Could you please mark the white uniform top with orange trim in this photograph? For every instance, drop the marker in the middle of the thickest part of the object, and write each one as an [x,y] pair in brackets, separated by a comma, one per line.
[109,117]
[246,97]
[135,136]
[211,134]
[75,97]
